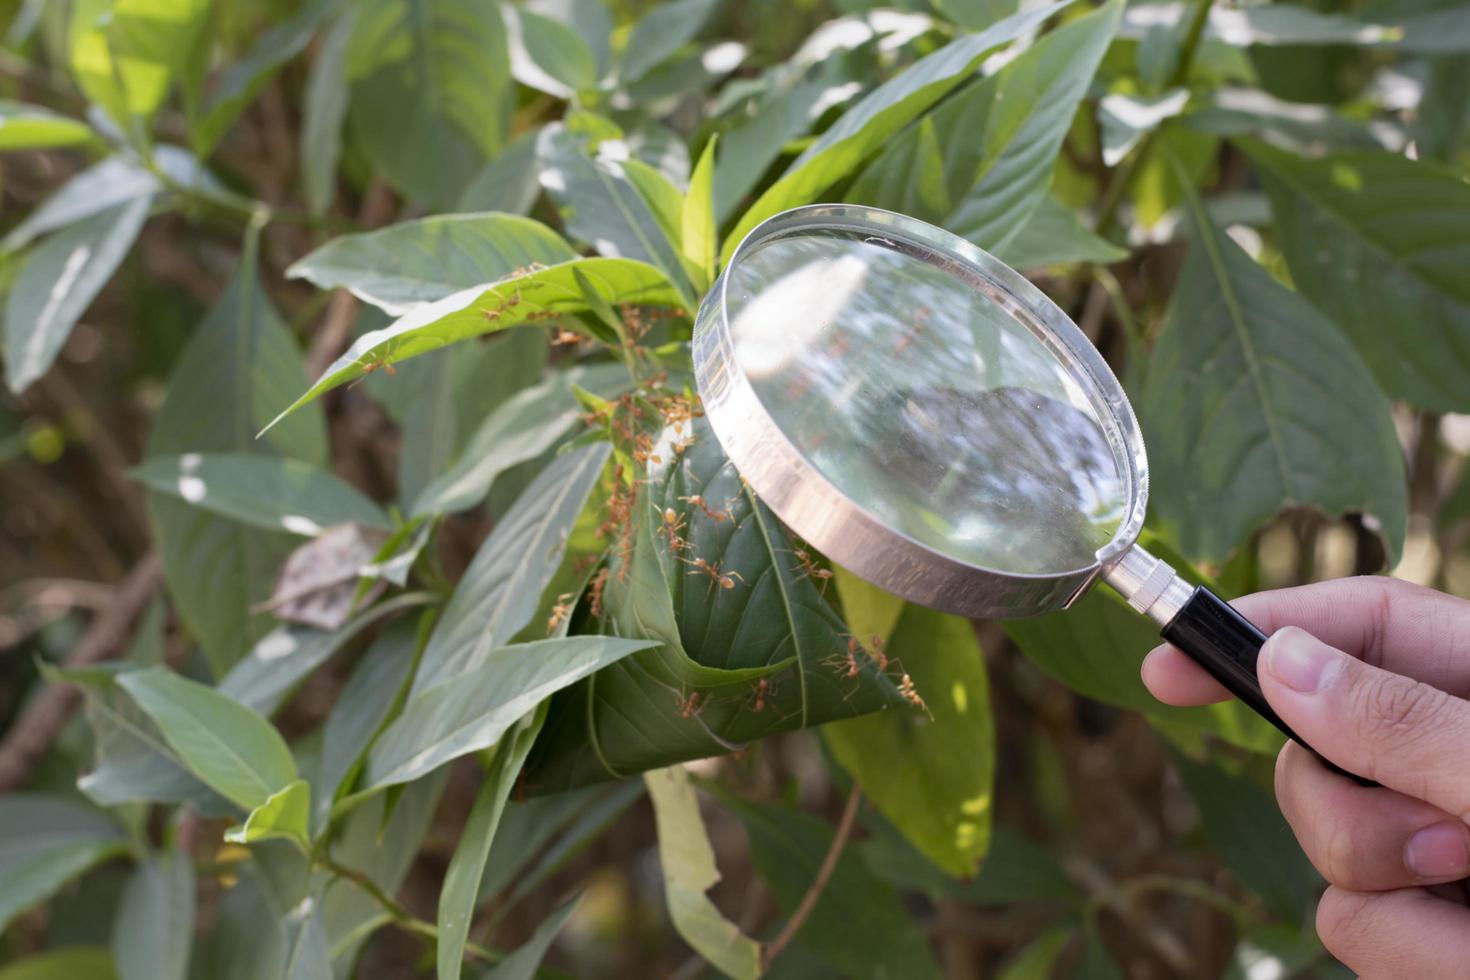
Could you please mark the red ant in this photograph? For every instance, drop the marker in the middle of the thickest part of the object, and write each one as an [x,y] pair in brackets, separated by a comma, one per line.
[559,612]
[762,688]
[906,689]
[691,706]
[810,568]
[718,516]
[594,592]
[726,581]
[373,363]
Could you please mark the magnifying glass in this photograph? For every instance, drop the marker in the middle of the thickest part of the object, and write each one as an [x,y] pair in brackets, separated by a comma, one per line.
[930,420]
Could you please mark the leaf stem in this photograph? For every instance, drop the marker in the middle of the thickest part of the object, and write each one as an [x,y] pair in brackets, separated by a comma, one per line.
[819,883]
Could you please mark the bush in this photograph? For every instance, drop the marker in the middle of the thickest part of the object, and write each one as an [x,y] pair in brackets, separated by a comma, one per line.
[395,669]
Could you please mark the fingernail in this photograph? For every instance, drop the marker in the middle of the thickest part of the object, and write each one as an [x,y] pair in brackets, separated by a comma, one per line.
[1438,851]
[1301,661]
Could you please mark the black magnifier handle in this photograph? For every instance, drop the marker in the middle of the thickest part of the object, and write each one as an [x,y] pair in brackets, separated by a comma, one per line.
[1209,630]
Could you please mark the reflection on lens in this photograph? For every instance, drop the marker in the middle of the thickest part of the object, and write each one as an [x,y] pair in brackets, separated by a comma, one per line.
[918,389]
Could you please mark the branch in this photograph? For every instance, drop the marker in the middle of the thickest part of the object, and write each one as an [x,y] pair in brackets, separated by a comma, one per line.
[49,711]
[400,915]
[819,884]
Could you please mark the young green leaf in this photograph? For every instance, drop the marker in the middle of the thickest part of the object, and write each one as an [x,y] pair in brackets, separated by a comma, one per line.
[154,929]
[269,492]
[868,126]
[535,296]
[1252,401]
[285,813]
[472,710]
[458,897]
[1379,243]
[698,218]
[126,53]
[1038,960]
[688,863]
[231,748]
[58,281]
[46,841]
[502,587]
[521,963]
[401,266]
[931,774]
[32,127]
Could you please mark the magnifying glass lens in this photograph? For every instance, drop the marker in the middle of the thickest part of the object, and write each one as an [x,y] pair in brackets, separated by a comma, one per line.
[927,395]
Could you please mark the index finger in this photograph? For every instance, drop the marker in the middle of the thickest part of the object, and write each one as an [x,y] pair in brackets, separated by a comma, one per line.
[1399,626]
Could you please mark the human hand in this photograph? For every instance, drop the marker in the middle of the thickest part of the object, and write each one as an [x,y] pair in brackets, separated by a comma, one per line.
[1374,674]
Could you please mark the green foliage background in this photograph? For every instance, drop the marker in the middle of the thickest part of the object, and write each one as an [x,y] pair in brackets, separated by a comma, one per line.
[403,686]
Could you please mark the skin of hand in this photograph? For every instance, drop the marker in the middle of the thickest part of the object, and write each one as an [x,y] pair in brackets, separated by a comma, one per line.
[1374,674]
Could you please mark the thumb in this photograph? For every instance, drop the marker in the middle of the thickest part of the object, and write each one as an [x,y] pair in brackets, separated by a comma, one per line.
[1404,734]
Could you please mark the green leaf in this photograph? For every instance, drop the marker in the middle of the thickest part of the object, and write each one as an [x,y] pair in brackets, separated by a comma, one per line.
[930,774]
[661,32]
[154,929]
[509,183]
[868,126]
[310,958]
[858,924]
[1054,235]
[1252,400]
[1127,119]
[269,492]
[549,55]
[241,82]
[437,102]
[231,748]
[601,203]
[521,964]
[1244,825]
[46,841]
[104,186]
[539,295]
[991,148]
[688,862]
[58,281]
[126,53]
[1096,648]
[1038,959]
[698,225]
[522,429]
[323,111]
[238,369]
[501,589]
[457,899]
[764,655]
[1277,24]
[71,963]
[285,813]
[265,677]
[401,266]
[247,940]
[1379,243]
[1309,129]
[472,710]
[32,127]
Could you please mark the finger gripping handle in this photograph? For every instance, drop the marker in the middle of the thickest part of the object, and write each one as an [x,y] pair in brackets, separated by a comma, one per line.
[1226,644]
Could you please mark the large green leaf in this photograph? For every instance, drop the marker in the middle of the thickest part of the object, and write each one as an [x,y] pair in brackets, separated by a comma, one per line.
[521,964]
[435,102]
[990,149]
[32,127]
[610,201]
[264,678]
[1276,24]
[698,226]
[239,368]
[309,958]
[858,924]
[458,897]
[324,109]
[659,34]
[1380,243]
[868,126]
[403,265]
[535,296]
[523,428]
[549,55]
[104,186]
[1096,648]
[58,281]
[1054,234]
[508,183]
[68,963]
[231,748]
[473,710]
[269,492]
[1252,400]
[45,841]
[688,863]
[154,929]
[126,53]
[501,589]
[763,653]
[247,940]
[931,774]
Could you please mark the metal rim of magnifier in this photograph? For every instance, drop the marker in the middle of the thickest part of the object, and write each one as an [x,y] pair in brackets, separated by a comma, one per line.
[841,528]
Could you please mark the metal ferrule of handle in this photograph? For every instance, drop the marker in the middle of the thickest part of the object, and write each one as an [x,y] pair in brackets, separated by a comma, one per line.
[1149,584]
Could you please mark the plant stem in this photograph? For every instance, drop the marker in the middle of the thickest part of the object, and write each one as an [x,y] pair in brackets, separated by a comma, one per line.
[819,883]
